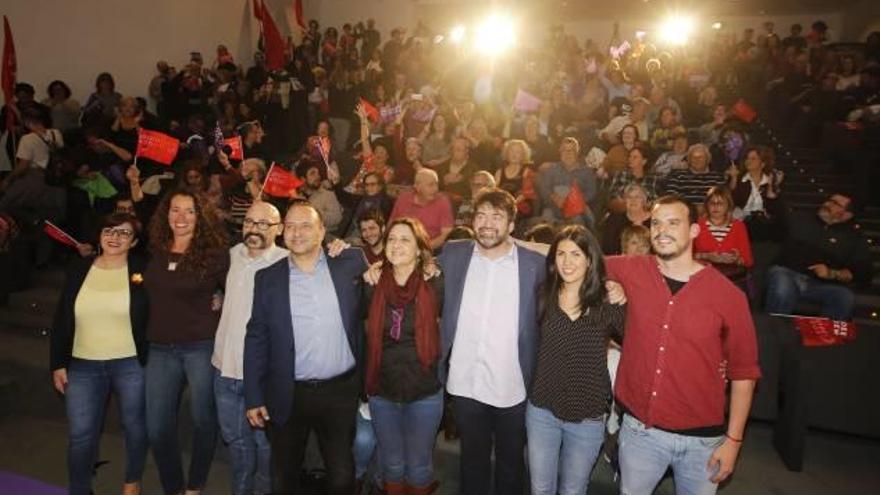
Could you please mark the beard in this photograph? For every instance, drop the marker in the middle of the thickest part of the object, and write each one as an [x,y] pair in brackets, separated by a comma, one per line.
[669,252]
[255,240]
[490,238]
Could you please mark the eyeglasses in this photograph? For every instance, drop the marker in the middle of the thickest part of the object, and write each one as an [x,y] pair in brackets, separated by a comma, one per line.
[260,225]
[121,233]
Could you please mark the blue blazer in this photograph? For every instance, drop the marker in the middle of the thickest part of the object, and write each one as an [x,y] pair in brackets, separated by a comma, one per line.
[269,347]
[454,261]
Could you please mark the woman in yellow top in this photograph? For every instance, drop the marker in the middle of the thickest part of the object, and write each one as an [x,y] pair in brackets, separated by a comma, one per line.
[98,345]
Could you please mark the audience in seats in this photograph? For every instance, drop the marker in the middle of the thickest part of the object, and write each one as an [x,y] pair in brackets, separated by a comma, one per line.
[823,258]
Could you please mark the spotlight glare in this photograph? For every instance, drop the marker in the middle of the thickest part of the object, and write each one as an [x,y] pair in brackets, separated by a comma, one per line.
[716,26]
[456,35]
[495,35]
[676,29]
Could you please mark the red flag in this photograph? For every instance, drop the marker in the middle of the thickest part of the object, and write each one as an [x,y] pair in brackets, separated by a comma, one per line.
[743,111]
[59,235]
[258,10]
[281,183]
[574,203]
[372,111]
[298,10]
[274,43]
[824,331]
[236,148]
[8,69]
[156,146]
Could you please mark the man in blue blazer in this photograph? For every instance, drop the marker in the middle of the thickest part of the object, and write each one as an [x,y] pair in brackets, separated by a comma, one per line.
[303,351]
[489,340]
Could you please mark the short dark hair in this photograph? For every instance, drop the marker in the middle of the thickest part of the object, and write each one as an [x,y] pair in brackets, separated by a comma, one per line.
[671,199]
[497,198]
[542,232]
[24,88]
[59,84]
[461,232]
[373,214]
[295,202]
[117,219]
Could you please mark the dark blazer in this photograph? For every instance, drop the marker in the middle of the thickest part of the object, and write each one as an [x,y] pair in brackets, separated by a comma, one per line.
[454,261]
[63,327]
[269,347]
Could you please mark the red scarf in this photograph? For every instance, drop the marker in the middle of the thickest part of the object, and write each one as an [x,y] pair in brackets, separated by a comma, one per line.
[427,335]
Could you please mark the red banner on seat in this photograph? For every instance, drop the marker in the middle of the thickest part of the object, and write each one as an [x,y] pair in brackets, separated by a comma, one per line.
[817,332]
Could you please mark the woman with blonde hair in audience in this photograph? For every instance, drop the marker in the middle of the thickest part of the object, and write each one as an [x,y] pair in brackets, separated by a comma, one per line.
[517,177]
[723,240]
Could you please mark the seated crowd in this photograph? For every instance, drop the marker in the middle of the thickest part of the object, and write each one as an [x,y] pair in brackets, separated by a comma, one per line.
[475,221]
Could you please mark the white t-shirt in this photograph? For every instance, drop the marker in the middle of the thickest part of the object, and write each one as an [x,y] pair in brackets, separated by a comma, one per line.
[34,149]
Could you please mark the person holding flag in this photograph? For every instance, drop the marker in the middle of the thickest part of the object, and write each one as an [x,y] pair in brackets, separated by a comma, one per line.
[568,186]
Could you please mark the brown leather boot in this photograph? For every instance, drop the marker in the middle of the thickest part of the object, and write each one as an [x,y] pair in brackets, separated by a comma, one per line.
[423,490]
[393,488]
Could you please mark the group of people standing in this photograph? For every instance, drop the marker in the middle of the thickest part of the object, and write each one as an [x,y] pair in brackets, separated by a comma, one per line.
[275,344]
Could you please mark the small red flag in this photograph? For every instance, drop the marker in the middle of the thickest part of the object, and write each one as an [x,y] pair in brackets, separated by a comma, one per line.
[372,111]
[236,147]
[817,332]
[743,111]
[274,43]
[281,183]
[258,10]
[59,235]
[298,10]
[156,146]
[9,69]
[574,203]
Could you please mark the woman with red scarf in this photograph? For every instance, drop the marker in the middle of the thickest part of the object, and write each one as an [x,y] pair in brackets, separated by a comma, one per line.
[403,347]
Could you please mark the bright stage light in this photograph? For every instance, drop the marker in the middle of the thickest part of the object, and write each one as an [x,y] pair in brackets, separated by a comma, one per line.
[676,30]
[495,35]
[457,34]
[716,26]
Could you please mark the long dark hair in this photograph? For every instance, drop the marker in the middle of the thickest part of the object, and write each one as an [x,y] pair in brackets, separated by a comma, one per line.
[592,291]
[423,240]
[209,239]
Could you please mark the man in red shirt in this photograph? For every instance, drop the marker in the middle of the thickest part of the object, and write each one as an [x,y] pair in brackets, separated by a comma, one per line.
[684,320]
[427,204]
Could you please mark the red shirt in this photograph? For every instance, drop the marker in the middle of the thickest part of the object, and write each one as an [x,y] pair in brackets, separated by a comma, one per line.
[435,215]
[673,346]
[737,239]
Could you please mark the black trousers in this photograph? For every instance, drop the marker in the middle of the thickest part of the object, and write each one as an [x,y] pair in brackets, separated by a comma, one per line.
[330,410]
[480,425]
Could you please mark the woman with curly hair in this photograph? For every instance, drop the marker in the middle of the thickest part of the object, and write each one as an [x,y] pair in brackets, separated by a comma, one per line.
[188,267]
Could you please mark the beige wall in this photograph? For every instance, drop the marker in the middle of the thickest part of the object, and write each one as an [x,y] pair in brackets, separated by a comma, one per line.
[74,40]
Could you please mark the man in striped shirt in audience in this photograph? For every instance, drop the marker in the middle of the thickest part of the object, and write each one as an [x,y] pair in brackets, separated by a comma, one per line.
[693,182]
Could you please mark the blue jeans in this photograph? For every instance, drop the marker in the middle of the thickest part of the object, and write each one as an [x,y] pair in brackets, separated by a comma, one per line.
[88,386]
[249,449]
[561,453]
[169,367]
[786,286]
[406,432]
[645,454]
[364,448]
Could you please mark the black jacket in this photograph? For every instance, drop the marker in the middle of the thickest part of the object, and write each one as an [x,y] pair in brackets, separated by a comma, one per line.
[64,325]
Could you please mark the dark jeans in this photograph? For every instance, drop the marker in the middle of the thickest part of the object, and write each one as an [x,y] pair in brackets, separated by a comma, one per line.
[89,385]
[169,367]
[407,432]
[330,410]
[481,425]
[786,286]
